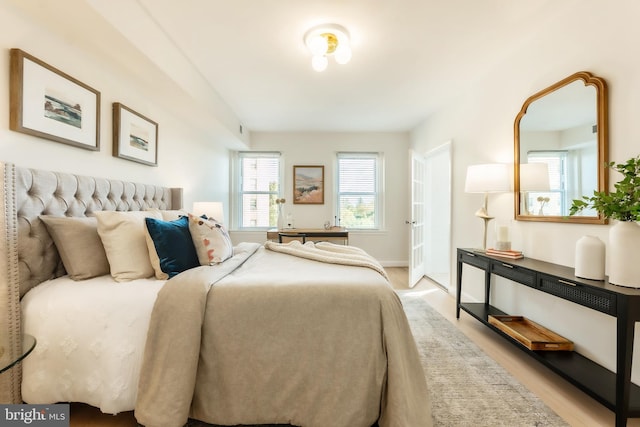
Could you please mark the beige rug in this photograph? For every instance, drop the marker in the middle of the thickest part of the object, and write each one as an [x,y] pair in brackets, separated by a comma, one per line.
[467,387]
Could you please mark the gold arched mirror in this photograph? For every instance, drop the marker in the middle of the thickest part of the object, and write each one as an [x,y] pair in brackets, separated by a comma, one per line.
[561,146]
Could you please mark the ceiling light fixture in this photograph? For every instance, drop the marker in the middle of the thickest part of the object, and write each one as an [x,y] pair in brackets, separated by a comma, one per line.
[328,40]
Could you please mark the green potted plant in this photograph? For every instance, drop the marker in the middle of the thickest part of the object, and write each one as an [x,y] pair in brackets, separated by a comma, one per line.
[622,205]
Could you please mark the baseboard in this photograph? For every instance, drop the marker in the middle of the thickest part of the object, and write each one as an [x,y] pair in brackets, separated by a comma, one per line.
[394,263]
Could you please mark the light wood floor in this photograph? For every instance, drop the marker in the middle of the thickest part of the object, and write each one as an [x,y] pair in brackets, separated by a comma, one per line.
[571,404]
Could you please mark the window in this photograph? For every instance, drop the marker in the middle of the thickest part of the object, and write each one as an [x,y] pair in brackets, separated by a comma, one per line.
[358,195]
[553,202]
[259,177]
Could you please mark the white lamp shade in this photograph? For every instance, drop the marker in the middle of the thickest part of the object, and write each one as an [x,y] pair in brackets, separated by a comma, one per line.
[318,45]
[487,178]
[210,209]
[534,177]
[319,63]
[342,54]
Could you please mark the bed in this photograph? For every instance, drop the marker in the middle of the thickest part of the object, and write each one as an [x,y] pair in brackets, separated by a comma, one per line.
[274,334]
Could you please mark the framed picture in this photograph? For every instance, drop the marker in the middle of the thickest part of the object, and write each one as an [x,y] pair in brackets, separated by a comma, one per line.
[135,137]
[308,187]
[45,102]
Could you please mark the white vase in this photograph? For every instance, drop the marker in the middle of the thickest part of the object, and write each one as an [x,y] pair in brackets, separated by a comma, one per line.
[590,258]
[624,257]
[280,218]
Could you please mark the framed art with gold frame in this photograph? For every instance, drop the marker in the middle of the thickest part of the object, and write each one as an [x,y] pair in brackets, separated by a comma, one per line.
[308,185]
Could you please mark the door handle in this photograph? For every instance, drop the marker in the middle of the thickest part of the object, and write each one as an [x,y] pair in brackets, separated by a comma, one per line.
[410,222]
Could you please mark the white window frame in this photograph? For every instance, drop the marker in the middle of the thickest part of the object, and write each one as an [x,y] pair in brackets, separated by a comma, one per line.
[237,185]
[561,156]
[378,192]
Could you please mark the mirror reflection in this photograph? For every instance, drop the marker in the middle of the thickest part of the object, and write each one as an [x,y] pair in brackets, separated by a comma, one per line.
[560,149]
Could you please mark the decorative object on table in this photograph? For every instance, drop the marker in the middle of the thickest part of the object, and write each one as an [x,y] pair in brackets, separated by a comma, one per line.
[289,224]
[543,200]
[50,104]
[534,178]
[623,205]
[308,187]
[212,210]
[281,222]
[590,258]
[511,254]
[135,137]
[487,178]
[503,238]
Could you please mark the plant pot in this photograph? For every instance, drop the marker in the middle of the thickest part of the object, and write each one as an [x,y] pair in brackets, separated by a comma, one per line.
[624,257]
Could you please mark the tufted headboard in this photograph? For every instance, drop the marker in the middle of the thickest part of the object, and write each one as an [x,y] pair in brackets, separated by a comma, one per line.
[27,253]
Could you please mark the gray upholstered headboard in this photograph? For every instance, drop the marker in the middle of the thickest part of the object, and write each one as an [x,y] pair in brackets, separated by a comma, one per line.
[27,253]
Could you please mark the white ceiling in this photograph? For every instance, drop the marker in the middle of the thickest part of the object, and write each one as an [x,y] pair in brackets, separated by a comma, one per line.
[409,56]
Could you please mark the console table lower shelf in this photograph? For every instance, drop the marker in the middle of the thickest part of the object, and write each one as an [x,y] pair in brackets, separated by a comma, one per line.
[595,380]
[612,389]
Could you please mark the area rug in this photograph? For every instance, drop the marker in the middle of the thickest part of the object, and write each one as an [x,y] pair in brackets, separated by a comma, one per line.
[467,387]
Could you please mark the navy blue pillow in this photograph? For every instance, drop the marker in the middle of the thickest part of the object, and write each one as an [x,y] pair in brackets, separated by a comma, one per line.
[174,245]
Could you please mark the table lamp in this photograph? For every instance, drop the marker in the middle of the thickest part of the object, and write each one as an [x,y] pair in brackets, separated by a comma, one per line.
[210,209]
[487,178]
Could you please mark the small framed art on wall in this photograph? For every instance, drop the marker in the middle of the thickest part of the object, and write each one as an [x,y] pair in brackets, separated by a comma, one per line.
[135,137]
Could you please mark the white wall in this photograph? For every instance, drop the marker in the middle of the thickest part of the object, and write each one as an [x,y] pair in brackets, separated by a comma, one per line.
[390,244]
[190,154]
[583,36]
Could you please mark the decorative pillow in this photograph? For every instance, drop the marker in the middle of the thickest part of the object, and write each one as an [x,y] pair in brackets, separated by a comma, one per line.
[122,234]
[171,248]
[79,245]
[212,242]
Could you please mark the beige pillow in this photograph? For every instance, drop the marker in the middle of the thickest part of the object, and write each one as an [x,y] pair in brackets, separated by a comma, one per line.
[168,214]
[79,245]
[123,237]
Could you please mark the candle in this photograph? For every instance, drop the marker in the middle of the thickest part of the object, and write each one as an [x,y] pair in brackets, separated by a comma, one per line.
[503,233]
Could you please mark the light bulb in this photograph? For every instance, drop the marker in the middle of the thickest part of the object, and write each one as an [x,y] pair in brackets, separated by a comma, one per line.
[319,62]
[343,53]
[318,45]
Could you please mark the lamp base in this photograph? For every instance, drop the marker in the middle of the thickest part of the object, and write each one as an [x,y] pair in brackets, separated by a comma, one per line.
[486,220]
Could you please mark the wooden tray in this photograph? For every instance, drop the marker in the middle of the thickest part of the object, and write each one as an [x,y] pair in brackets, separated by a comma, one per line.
[530,334]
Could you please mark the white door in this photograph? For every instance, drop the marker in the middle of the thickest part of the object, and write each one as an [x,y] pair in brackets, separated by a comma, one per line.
[416,255]
[437,247]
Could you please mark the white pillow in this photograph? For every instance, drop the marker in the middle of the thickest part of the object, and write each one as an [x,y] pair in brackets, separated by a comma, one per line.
[123,238]
[212,242]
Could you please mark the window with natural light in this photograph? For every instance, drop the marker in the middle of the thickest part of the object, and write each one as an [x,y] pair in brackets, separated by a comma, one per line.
[259,176]
[358,195]
[554,201]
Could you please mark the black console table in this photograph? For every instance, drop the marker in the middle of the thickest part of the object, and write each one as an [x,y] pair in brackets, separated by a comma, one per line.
[613,390]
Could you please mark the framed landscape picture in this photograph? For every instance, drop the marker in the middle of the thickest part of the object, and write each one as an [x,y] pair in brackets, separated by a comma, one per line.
[45,102]
[135,137]
[308,187]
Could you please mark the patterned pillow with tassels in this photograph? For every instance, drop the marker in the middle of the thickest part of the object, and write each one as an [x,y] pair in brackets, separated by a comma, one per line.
[211,240]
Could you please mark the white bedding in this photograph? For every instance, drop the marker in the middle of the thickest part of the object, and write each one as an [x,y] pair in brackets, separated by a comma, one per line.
[99,311]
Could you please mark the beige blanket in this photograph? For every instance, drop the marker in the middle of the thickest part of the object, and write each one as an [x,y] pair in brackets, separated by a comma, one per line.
[281,340]
[329,253]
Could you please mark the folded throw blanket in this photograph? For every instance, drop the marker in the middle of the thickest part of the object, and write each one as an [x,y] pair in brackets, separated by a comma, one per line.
[328,252]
